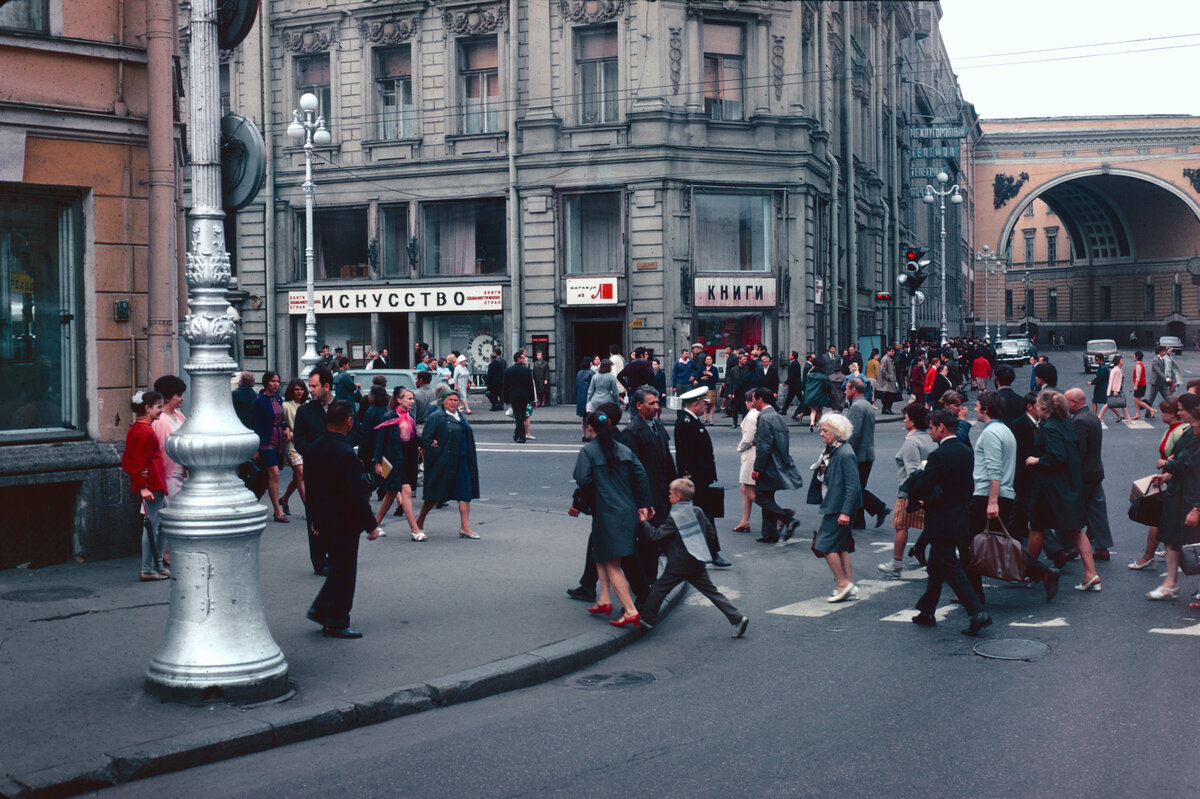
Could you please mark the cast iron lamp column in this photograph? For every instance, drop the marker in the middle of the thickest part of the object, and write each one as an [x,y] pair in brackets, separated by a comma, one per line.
[956,198]
[308,126]
[216,645]
[988,259]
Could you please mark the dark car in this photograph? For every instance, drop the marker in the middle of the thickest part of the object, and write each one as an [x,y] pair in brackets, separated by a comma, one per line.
[1098,346]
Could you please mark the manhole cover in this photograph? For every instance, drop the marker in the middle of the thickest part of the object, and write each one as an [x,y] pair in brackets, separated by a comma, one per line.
[51,593]
[612,682]
[1012,649]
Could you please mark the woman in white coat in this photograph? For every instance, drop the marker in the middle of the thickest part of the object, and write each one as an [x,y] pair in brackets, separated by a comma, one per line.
[746,448]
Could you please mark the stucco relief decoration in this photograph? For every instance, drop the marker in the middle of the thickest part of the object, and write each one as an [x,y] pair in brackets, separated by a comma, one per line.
[225,56]
[209,329]
[777,65]
[309,40]
[208,268]
[1005,187]
[676,56]
[808,22]
[476,20]
[390,30]
[591,11]
[1193,175]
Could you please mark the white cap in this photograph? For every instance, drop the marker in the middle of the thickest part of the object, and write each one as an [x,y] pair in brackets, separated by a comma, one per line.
[694,394]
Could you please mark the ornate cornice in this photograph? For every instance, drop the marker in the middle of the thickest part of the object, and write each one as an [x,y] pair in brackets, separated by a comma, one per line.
[309,39]
[590,11]
[476,20]
[390,30]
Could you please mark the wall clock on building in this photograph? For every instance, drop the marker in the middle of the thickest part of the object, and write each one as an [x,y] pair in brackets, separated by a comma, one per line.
[1193,267]
[481,350]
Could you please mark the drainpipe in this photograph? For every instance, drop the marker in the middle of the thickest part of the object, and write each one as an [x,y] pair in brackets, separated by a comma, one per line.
[834,207]
[163,289]
[851,209]
[894,151]
[276,311]
[514,207]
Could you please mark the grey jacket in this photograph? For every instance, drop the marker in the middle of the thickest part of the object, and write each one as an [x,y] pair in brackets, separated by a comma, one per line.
[772,459]
[862,416]
[602,389]
[843,491]
[887,382]
[1158,372]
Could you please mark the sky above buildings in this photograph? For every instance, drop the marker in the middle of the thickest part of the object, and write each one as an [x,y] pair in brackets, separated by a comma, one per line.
[1032,58]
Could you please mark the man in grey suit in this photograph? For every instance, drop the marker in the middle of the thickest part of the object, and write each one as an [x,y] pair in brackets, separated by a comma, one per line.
[774,469]
[1157,381]
[862,440]
[1089,437]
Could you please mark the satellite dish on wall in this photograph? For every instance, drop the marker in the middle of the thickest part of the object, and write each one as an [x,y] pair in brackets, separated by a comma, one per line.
[243,161]
[235,18]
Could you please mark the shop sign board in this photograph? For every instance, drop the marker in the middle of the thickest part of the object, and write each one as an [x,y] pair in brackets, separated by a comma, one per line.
[819,291]
[933,152]
[392,299]
[591,291]
[948,132]
[735,291]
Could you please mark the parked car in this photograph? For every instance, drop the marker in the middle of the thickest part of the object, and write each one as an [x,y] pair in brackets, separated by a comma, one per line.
[1098,346]
[395,377]
[1015,351]
[1172,343]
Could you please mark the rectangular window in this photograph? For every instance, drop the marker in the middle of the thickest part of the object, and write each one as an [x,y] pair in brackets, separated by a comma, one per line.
[223,80]
[475,335]
[339,244]
[1030,250]
[1052,303]
[592,233]
[1148,294]
[1106,302]
[1029,302]
[393,81]
[1008,303]
[40,260]
[724,329]
[1051,249]
[312,77]
[479,73]
[25,15]
[733,232]
[466,238]
[1177,298]
[724,57]
[596,57]
[396,256]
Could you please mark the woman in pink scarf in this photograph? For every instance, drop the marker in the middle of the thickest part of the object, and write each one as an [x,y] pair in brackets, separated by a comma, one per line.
[397,442]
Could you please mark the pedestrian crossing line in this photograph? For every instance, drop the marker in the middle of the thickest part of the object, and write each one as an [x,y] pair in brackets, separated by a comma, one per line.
[1058,622]
[527,451]
[818,608]
[1193,630]
[1138,424]
[696,599]
[906,615]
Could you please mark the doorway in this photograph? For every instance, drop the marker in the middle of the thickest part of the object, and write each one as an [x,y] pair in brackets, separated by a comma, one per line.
[590,338]
[395,338]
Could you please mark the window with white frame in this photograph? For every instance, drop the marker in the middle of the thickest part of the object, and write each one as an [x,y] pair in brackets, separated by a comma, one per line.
[1051,247]
[1030,248]
[393,82]
[479,75]
[596,59]
[733,232]
[724,67]
[592,233]
[465,238]
[396,241]
[312,77]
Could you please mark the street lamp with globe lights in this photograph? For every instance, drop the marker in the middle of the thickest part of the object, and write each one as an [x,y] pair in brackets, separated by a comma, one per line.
[306,125]
[987,259]
[955,197]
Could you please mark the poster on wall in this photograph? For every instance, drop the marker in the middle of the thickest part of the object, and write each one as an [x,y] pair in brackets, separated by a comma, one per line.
[590,291]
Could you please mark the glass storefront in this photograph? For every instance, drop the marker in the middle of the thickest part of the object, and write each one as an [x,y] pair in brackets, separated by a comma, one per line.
[473,334]
[721,329]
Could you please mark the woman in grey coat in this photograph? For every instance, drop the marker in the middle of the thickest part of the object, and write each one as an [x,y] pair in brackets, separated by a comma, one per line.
[603,387]
[841,496]
[622,500]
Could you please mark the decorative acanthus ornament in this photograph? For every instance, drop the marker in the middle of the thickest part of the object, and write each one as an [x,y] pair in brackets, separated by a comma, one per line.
[390,30]
[777,65]
[676,55]
[476,20]
[309,40]
[591,11]
[1005,187]
[808,22]
[208,267]
[1193,175]
[204,328]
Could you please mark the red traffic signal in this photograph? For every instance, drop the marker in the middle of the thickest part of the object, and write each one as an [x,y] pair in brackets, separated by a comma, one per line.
[883,296]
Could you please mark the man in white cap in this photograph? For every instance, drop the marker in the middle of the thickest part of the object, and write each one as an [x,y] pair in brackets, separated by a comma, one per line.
[694,460]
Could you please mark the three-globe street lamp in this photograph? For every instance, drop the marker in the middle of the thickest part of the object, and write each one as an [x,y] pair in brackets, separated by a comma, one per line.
[955,197]
[987,259]
[306,125]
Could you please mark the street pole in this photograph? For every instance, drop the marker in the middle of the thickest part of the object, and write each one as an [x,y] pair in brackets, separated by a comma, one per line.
[988,258]
[217,644]
[1001,283]
[956,198]
[308,126]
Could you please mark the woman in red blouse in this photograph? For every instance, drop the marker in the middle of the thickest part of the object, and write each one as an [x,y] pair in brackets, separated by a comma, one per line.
[143,462]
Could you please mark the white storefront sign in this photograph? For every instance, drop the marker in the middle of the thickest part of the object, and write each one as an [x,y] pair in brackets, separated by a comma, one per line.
[735,291]
[422,299]
[591,291]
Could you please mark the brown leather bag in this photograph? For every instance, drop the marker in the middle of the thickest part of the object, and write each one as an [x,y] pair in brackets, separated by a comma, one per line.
[996,554]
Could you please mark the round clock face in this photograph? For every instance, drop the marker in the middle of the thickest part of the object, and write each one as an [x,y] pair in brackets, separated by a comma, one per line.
[480,351]
[1193,265]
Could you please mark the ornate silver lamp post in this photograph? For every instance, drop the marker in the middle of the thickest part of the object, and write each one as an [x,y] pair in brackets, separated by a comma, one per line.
[987,259]
[216,645]
[955,197]
[308,126]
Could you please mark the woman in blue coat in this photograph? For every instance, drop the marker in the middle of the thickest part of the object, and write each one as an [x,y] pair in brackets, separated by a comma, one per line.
[266,417]
[451,469]
[841,496]
[583,380]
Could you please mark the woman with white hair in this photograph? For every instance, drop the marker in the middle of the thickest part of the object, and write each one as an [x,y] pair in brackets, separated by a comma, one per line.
[836,472]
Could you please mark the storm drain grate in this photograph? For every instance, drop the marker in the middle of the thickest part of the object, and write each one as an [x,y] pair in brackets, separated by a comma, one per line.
[613,682]
[1012,649]
[51,593]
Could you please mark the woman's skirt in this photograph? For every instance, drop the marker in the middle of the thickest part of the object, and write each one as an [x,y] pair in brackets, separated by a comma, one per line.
[832,537]
[903,520]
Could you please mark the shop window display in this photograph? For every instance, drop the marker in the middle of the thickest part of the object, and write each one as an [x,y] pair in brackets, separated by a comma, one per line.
[339,244]
[465,238]
[733,232]
[720,330]
[474,335]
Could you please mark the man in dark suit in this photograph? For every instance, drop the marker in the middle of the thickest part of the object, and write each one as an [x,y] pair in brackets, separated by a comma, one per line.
[1089,438]
[733,384]
[638,372]
[652,446]
[1011,403]
[339,509]
[794,380]
[774,470]
[862,416]
[310,426]
[770,376]
[518,391]
[495,380]
[944,488]
[694,460]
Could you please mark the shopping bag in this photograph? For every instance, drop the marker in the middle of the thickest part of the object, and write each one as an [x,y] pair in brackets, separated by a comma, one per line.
[1189,558]
[996,554]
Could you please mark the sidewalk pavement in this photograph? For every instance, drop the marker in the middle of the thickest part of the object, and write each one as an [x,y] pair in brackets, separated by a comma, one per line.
[445,621]
[565,414]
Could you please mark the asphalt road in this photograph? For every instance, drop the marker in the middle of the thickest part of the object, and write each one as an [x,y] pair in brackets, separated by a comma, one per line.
[818,699]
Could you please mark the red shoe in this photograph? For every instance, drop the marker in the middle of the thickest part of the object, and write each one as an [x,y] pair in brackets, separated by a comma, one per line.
[600,610]
[626,620]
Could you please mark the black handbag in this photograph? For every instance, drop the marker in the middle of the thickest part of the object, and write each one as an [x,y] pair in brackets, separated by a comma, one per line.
[1115,400]
[584,500]
[1189,558]
[1147,510]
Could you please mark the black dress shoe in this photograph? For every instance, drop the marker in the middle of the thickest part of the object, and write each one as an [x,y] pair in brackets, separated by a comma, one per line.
[582,594]
[790,528]
[925,619]
[1050,580]
[341,632]
[767,540]
[720,562]
[321,571]
[978,622]
[316,616]
[879,517]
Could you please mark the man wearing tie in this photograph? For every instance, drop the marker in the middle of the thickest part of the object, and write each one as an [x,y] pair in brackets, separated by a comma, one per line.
[652,446]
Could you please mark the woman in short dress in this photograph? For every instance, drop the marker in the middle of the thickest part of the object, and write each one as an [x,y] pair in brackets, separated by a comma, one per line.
[1139,388]
[396,440]
[816,393]
[451,467]
[708,379]
[841,495]
[1180,523]
[142,460]
[1169,408]
[266,416]
[913,452]
[745,473]
[462,381]
[295,396]
[1116,385]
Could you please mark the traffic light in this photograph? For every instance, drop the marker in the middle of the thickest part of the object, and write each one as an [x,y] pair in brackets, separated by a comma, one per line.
[914,273]
[883,296]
